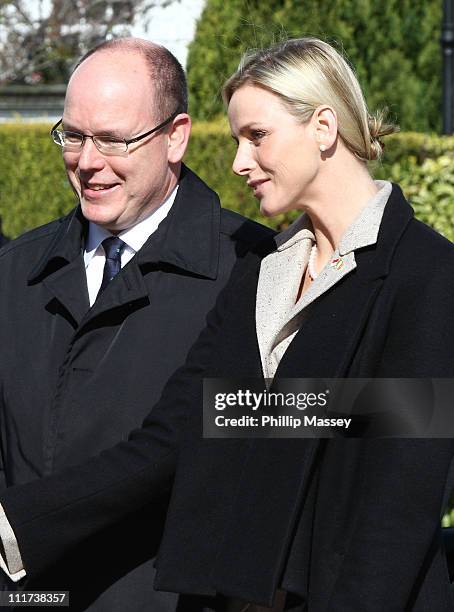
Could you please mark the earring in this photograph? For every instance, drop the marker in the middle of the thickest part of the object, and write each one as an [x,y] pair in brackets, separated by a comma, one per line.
[322,148]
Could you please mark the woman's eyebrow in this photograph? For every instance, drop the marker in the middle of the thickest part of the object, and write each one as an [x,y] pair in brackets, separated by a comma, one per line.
[244,129]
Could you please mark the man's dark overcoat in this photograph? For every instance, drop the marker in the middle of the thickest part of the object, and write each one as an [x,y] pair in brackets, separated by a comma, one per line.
[75,380]
[349,525]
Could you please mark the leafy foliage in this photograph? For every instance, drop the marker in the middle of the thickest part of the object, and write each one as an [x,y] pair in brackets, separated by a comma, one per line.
[33,185]
[393,45]
[34,189]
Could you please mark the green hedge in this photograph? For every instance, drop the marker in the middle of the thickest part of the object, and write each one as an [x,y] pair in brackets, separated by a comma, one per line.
[394,46]
[33,185]
[34,190]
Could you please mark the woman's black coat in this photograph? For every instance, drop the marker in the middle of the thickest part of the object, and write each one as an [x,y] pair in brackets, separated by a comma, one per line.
[367,510]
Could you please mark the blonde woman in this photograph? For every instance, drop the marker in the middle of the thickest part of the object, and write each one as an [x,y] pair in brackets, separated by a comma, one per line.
[355,288]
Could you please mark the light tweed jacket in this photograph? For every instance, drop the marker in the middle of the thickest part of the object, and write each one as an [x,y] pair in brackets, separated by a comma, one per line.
[278,317]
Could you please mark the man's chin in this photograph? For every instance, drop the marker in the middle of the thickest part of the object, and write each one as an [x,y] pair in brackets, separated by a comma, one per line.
[100,215]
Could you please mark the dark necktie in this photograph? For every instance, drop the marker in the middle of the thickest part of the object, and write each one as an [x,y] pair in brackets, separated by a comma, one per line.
[113,248]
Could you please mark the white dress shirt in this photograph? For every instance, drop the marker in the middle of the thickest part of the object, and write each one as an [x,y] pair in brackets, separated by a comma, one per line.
[134,237]
[94,257]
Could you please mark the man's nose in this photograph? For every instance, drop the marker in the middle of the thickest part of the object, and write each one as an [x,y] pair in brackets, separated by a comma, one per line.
[244,161]
[90,158]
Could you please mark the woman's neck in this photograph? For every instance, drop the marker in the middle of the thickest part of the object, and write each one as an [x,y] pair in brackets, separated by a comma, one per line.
[337,202]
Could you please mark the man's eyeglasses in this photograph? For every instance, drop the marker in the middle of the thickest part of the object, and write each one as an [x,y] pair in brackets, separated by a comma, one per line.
[73,141]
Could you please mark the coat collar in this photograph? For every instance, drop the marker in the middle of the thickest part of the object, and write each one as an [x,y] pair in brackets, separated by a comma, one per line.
[364,229]
[187,239]
[327,337]
[278,316]
[375,260]
[67,244]
[362,232]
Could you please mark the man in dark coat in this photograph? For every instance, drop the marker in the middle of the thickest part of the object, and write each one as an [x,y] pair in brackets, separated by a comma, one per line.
[90,334]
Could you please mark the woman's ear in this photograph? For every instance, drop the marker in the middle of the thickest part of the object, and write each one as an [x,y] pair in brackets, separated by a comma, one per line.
[324,123]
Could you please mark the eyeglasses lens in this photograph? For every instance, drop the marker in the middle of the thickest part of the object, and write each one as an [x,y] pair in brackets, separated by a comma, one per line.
[71,141]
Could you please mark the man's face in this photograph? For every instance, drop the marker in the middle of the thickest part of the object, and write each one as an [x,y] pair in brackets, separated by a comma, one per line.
[112,94]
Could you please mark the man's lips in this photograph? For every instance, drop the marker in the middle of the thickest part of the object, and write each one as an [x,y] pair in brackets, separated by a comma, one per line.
[98,190]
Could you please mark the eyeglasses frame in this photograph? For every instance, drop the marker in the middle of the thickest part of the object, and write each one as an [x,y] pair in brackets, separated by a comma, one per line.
[127,142]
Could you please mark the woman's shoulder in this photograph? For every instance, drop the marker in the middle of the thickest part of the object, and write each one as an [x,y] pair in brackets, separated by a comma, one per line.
[422,270]
[426,249]
[418,246]
[426,237]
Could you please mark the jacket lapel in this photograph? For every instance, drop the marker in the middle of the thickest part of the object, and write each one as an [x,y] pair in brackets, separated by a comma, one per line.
[69,286]
[278,285]
[329,333]
[277,313]
[127,290]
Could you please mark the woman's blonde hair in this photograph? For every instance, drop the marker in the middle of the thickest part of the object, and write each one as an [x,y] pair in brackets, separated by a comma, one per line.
[306,73]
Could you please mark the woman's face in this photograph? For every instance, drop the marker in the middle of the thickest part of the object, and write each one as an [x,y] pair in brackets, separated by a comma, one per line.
[279,156]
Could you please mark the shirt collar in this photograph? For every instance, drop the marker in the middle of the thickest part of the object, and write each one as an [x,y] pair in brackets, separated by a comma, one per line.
[301,229]
[364,229]
[135,236]
[362,232]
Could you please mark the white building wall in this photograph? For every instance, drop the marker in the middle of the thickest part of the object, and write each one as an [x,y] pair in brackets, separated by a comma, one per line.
[172,26]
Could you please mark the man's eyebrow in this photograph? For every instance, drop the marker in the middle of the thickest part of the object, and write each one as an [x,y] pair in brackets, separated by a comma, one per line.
[68,126]
[112,133]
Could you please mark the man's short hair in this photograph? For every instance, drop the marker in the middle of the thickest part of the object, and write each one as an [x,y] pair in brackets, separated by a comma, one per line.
[166,72]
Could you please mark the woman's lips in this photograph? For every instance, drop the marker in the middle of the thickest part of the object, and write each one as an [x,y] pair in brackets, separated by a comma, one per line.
[257,186]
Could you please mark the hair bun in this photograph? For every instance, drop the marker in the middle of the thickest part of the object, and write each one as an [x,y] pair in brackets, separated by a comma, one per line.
[378,128]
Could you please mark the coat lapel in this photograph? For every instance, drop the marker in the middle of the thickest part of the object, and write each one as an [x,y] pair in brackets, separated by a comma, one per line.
[332,326]
[69,286]
[278,285]
[277,314]
[61,268]
[127,290]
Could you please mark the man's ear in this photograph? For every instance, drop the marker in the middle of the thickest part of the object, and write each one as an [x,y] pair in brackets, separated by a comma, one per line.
[178,137]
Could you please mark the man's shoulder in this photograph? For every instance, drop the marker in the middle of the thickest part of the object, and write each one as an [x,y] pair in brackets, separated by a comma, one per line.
[233,227]
[243,230]
[30,240]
